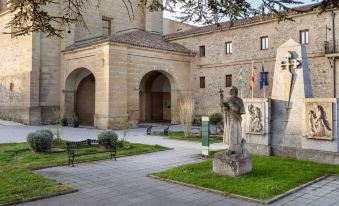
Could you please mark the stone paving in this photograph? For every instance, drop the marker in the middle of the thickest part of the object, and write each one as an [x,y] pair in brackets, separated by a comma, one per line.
[322,193]
[125,182]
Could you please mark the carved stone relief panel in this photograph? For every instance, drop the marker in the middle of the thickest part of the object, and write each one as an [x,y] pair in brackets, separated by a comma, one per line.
[254,118]
[319,120]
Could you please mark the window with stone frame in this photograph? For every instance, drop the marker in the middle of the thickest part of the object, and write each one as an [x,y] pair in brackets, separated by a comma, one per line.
[228,47]
[106,26]
[267,78]
[264,42]
[303,35]
[202,51]
[202,82]
[228,80]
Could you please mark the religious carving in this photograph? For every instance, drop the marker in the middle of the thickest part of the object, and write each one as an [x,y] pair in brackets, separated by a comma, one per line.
[254,122]
[236,161]
[233,107]
[289,64]
[319,126]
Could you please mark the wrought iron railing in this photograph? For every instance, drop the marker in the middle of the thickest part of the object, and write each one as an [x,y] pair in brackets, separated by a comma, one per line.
[331,47]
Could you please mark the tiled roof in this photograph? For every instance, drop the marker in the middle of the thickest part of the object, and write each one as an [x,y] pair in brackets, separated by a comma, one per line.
[233,24]
[137,38]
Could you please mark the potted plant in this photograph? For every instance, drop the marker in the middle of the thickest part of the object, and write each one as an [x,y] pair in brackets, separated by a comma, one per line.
[64,122]
[75,121]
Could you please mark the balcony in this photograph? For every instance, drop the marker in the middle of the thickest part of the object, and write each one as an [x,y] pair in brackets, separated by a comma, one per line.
[331,48]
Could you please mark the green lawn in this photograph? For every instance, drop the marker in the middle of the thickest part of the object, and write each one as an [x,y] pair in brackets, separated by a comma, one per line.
[181,136]
[270,177]
[18,182]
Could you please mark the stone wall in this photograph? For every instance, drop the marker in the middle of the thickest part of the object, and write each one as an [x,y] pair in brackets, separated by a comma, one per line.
[114,10]
[19,93]
[118,71]
[172,26]
[175,66]
[246,47]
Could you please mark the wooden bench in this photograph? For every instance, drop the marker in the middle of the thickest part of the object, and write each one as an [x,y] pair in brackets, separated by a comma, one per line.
[73,149]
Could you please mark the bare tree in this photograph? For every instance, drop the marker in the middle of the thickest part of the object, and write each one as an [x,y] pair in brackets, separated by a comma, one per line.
[29,15]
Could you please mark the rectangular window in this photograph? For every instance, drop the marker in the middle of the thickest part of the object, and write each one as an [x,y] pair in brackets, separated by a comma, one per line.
[264,42]
[228,80]
[228,47]
[267,79]
[202,51]
[304,37]
[202,82]
[106,27]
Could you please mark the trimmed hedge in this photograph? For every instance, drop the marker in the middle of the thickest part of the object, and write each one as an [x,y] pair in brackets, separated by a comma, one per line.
[40,140]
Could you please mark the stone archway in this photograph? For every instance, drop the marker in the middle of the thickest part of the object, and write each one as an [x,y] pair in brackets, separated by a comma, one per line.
[155,97]
[80,96]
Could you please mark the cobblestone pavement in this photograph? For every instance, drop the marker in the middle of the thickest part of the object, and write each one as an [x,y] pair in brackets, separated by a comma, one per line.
[125,182]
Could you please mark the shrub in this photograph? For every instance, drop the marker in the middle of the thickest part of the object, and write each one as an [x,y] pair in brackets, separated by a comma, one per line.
[64,122]
[40,141]
[46,132]
[216,119]
[107,136]
[59,141]
[120,143]
[75,121]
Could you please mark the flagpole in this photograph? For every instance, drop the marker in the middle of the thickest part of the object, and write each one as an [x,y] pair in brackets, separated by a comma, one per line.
[264,83]
[252,74]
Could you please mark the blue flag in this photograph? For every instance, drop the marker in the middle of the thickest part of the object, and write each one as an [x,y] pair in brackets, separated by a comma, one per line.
[262,76]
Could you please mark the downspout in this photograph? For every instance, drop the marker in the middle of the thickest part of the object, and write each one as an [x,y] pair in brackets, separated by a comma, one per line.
[334,60]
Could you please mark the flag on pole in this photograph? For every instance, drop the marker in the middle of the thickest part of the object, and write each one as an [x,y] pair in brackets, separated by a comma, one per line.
[262,76]
[240,77]
[252,79]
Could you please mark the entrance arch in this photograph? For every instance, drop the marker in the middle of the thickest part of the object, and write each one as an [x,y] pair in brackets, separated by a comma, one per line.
[80,96]
[155,97]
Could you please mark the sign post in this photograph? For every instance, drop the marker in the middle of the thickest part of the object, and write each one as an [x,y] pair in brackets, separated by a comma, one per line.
[205,136]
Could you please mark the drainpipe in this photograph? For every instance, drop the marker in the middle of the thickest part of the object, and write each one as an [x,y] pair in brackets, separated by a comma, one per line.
[334,60]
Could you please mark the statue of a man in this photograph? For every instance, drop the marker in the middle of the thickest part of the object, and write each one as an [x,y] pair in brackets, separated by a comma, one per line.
[233,107]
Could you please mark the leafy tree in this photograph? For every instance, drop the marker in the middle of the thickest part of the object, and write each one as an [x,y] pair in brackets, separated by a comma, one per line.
[216,119]
[29,15]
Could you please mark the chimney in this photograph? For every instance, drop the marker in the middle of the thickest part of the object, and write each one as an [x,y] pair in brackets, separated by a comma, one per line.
[154,21]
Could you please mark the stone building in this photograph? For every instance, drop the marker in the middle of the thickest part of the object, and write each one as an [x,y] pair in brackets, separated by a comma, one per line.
[118,68]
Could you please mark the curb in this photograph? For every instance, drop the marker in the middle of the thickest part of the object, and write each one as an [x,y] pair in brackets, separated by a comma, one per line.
[266,202]
[40,197]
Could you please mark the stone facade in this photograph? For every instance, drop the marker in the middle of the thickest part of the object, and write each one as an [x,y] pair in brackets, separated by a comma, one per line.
[40,74]
[246,48]
[33,68]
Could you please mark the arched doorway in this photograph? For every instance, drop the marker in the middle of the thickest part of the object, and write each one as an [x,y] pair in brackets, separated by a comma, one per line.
[80,96]
[155,98]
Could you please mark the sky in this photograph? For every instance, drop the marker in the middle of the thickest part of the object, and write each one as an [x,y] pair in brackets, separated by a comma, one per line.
[255,3]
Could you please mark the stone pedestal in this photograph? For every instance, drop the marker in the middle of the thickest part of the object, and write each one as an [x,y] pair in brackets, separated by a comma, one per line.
[232,164]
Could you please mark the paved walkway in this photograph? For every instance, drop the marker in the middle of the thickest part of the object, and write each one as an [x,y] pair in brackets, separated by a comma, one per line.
[125,181]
